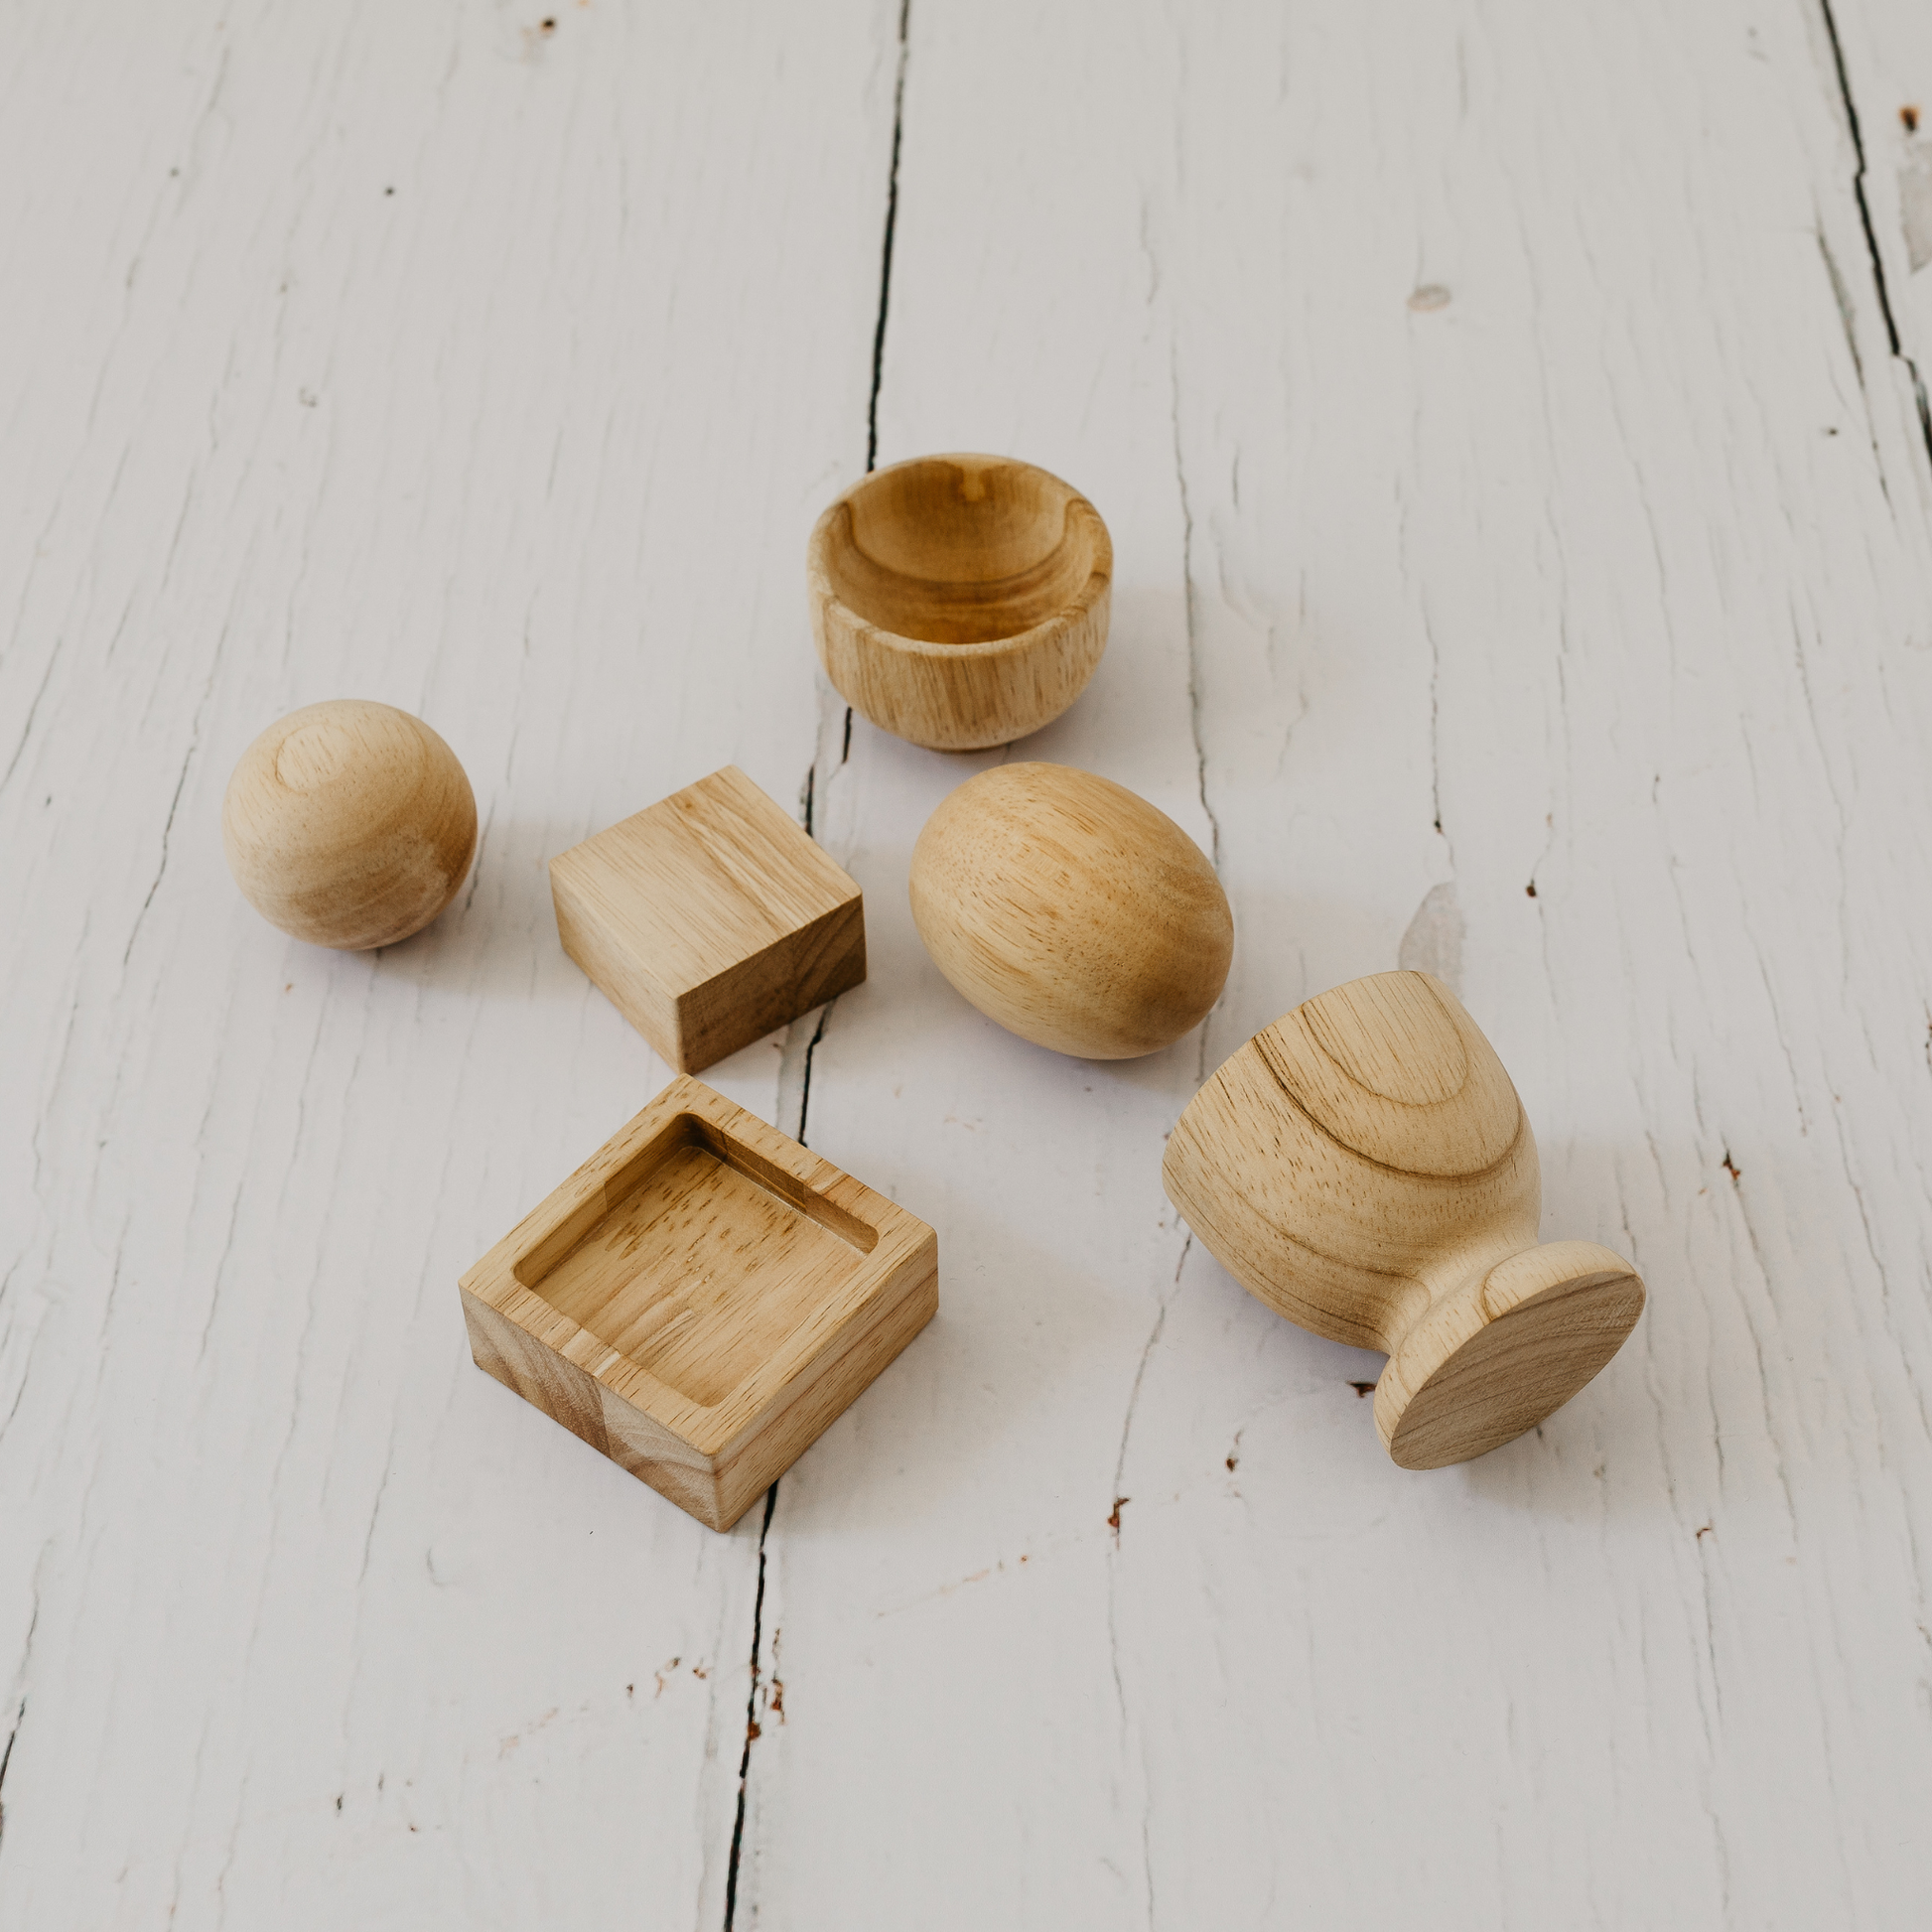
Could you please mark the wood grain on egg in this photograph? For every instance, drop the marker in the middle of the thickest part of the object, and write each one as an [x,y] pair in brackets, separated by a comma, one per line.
[1071,911]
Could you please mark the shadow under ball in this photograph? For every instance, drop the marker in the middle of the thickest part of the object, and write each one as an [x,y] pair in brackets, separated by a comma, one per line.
[1364,1167]
[960,601]
[1071,911]
[350,824]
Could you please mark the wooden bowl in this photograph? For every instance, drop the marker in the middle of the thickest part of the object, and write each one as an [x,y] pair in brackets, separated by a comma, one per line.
[960,601]
[1364,1167]
[350,824]
[1071,911]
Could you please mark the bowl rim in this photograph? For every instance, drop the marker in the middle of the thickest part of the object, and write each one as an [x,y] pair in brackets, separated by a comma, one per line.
[1048,630]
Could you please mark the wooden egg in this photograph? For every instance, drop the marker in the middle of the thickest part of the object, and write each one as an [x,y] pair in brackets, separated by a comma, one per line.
[960,601]
[1071,911]
[350,824]
[1364,1167]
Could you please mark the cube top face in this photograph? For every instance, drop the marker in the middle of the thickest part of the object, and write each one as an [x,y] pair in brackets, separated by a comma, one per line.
[709,919]
[708,1271]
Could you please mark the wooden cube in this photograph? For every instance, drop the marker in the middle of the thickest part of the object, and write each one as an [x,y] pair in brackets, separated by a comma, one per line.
[701,1299]
[709,919]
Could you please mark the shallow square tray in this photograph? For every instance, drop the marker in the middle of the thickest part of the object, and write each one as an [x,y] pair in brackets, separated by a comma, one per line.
[701,1299]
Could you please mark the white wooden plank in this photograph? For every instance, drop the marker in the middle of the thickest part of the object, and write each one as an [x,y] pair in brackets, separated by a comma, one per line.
[1880,54]
[437,357]
[1614,563]
[1602,567]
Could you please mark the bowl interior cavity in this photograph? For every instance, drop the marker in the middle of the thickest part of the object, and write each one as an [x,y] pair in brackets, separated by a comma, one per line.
[956,552]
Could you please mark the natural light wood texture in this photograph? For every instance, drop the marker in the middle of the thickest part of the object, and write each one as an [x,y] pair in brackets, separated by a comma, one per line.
[1074,913]
[1364,1167]
[1607,574]
[701,1299]
[960,601]
[709,919]
[350,824]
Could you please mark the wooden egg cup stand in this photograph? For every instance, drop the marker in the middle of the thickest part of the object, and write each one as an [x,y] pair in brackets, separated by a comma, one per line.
[1364,1167]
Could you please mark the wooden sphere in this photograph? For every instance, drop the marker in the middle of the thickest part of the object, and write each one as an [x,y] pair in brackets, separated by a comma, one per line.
[1071,911]
[960,601]
[350,824]
[1364,1167]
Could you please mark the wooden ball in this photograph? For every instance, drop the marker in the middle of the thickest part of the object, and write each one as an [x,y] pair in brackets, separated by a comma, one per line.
[350,824]
[960,601]
[1071,911]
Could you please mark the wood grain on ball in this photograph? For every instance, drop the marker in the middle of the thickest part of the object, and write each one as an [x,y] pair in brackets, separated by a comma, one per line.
[350,824]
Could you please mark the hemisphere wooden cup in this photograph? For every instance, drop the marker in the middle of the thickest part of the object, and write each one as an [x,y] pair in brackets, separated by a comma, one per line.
[348,824]
[1071,910]
[960,601]
[1364,1167]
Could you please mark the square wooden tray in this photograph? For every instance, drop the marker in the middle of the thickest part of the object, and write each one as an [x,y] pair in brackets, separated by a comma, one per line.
[701,1299]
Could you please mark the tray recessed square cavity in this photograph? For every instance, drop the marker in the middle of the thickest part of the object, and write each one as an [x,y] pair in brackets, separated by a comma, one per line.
[709,919]
[701,1299]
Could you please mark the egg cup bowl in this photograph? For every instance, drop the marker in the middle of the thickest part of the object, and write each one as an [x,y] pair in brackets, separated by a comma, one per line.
[960,602]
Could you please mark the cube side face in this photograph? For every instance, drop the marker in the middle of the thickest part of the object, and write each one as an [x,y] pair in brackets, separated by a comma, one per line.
[773,988]
[620,972]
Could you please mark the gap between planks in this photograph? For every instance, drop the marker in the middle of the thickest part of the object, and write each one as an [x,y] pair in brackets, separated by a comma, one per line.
[810,791]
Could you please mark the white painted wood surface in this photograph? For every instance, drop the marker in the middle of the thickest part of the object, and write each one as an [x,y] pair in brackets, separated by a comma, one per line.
[1506,419]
